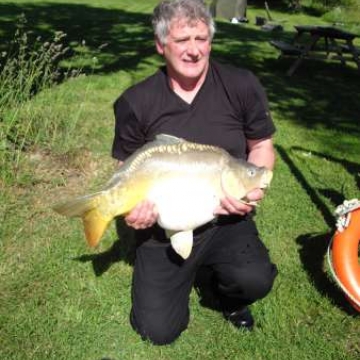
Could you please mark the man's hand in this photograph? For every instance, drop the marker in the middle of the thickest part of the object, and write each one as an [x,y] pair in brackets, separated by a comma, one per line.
[143,216]
[231,206]
[261,153]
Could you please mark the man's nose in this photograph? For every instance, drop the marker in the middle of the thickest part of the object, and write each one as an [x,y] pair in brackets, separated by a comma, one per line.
[193,49]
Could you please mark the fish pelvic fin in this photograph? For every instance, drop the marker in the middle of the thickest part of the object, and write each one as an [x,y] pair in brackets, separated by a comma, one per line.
[182,243]
[87,207]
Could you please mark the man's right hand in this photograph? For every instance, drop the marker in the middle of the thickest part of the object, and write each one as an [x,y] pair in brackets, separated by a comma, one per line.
[143,216]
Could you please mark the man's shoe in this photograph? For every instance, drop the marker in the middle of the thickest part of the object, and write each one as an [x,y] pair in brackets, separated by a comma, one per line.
[241,318]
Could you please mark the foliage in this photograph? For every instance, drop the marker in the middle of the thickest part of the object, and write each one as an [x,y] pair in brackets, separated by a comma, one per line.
[28,67]
[328,4]
[345,16]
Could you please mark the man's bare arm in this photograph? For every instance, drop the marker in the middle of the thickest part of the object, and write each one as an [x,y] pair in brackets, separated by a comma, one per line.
[261,153]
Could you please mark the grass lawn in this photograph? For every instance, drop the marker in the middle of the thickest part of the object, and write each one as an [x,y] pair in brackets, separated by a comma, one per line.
[61,300]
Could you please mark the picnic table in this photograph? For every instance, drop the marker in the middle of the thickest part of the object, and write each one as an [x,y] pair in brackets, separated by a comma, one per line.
[306,44]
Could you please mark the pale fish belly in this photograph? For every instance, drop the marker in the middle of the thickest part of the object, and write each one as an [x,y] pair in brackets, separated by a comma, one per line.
[185,203]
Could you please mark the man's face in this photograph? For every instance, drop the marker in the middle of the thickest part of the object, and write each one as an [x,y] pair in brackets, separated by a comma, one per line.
[187,49]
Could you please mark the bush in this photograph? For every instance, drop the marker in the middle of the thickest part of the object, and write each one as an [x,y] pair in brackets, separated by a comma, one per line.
[329,4]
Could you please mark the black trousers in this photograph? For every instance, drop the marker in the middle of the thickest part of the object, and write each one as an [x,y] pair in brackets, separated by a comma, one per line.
[162,281]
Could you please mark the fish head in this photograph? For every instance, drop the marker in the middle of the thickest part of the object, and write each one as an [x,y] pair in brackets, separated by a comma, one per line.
[240,177]
[265,176]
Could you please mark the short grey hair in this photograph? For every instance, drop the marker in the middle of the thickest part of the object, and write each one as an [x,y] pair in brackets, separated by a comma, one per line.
[191,10]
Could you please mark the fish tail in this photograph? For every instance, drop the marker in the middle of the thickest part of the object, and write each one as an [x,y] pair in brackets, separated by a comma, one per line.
[78,206]
[95,225]
[87,207]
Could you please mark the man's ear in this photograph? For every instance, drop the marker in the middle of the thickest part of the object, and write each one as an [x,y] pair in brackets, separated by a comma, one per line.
[159,46]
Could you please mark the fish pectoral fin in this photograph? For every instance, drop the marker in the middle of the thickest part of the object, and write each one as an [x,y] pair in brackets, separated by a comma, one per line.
[182,243]
[94,226]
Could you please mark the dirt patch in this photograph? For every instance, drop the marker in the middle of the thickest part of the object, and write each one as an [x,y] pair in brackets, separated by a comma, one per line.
[53,177]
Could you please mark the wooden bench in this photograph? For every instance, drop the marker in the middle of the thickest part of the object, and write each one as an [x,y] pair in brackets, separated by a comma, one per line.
[346,48]
[286,48]
[305,45]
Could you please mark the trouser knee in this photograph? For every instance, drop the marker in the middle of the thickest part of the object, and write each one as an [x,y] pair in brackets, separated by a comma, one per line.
[157,329]
[249,284]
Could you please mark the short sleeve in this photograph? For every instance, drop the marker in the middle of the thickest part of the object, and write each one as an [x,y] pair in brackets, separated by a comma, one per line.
[128,134]
[258,121]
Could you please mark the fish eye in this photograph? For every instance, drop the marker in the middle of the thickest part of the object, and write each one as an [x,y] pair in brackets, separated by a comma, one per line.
[251,172]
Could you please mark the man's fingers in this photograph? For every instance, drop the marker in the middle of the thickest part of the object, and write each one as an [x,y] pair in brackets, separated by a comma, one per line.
[144,215]
[229,205]
[255,195]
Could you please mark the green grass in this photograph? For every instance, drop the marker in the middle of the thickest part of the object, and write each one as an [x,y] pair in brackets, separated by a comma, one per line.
[60,300]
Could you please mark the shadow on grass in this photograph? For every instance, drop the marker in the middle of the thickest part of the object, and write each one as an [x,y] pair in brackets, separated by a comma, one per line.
[122,249]
[312,254]
[351,167]
[313,247]
[312,193]
[119,39]
[320,93]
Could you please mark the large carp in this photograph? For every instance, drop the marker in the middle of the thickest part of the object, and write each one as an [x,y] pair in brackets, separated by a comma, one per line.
[184,180]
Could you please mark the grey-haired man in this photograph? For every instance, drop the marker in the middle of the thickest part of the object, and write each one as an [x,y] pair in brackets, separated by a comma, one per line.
[203,101]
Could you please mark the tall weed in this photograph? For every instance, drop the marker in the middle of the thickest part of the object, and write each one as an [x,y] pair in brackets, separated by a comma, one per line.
[27,68]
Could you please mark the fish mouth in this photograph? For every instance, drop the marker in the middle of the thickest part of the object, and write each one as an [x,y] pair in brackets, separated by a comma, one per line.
[266,179]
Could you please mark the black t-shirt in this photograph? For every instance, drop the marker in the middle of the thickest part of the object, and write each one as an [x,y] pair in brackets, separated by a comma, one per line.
[230,107]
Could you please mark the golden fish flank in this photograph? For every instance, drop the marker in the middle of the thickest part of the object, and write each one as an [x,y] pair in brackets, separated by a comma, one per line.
[185,181]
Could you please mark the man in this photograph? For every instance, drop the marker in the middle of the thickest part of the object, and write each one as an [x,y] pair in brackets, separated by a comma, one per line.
[200,100]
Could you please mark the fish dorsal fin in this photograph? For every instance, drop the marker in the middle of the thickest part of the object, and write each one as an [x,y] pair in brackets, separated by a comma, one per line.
[139,155]
[161,143]
[161,140]
[182,243]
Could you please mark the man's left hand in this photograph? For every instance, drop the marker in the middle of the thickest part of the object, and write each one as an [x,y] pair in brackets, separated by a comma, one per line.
[231,206]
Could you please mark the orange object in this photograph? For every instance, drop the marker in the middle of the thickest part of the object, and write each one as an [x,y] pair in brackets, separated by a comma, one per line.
[345,258]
